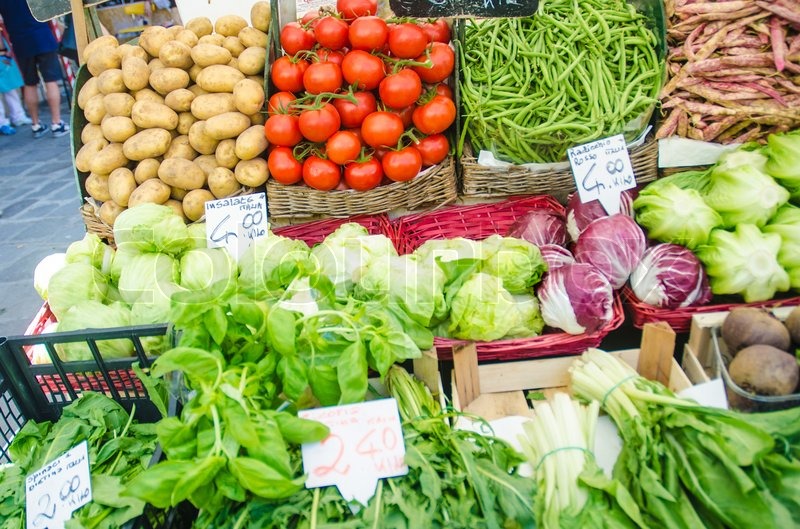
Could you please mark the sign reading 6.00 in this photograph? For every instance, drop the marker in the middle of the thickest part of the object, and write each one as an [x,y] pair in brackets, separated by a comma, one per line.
[602,170]
[235,222]
[57,489]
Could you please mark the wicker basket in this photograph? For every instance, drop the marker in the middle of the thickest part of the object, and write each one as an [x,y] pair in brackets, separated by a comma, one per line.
[433,188]
[482,181]
[479,222]
[89,213]
[314,232]
[681,319]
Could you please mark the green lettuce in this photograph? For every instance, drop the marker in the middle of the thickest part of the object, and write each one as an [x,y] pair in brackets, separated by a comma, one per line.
[676,215]
[152,228]
[148,276]
[744,262]
[92,250]
[261,263]
[74,283]
[783,151]
[786,223]
[90,314]
[527,317]
[197,233]
[202,267]
[517,262]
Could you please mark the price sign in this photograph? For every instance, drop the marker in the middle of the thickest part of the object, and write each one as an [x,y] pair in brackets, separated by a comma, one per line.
[235,222]
[304,6]
[57,489]
[365,444]
[602,170]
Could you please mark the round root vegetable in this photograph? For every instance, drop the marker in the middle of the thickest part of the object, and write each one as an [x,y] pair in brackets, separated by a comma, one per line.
[765,370]
[747,326]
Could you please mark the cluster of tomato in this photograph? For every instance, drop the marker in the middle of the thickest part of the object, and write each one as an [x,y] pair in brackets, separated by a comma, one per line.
[359,100]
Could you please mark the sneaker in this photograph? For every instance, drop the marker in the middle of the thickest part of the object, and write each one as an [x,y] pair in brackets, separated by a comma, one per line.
[7,130]
[38,130]
[24,121]
[59,129]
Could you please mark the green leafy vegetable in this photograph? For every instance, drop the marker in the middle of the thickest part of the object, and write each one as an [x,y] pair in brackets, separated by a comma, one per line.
[152,228]
[74,283]
[786,223]
[89,315]
[91,250]
[261,262]
[200,268]
[517,262]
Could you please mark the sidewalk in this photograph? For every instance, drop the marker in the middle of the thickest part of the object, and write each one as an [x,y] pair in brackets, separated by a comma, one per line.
[39,215]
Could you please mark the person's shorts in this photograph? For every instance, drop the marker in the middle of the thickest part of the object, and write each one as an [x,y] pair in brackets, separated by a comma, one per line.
[46,64]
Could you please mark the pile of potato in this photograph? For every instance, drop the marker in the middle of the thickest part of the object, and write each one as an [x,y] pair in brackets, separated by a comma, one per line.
[176,119]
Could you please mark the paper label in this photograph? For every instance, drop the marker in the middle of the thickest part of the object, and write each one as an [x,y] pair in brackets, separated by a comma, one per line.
[365,444]
[304,6]
[57,489]
[235,222]
[602,170]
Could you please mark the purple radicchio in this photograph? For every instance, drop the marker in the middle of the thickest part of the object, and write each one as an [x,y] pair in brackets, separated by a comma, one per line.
[580,215]
[576,298]
[614,245]
[556,256]
[670,276]
[540,227]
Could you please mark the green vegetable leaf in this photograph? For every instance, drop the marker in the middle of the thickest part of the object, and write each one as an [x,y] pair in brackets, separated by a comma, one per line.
[263,480]
[198,365]
[201,473]
[156,485]
[216,322]
[298,431]
[352,373]
[324,382]
[281,331]
[294,376]
[178,439]
[154,392]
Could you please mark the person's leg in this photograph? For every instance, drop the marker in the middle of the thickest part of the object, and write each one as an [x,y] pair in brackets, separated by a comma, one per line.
[31,96]
[30,92]
[15,111]
[5,127]
[50,68]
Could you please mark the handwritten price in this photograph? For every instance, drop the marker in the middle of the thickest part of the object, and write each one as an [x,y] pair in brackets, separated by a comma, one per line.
[371,445]
[71,495]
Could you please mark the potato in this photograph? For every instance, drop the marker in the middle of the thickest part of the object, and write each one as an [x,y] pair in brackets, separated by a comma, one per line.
[194,203]
[194,71]
[177,205]
[135,73]
[176,193]
[108,159]
[176,54]
[95,109]
[206,162]
[182,173]
[109,211]
[117,129]
[155,64]
[200,140]
[121,184]
[150,115]
[251,173]
[209,105]
[200,26]
[97,187]
[229,25]
[148,94]
[223,183]
[110,81]
[89,150]
[233,45]
[234,63]
[219,78]
[180,148]
[261,16]
[187,37]
[180,100]
[105,41]
[227,125]
[185,122]
[744,326]
[129,50]
[87,91]
[248,96]
[251,143]
[150,191]
[226,154]
[146,169]
[252,61]
[153,38]
[253,37]
[216,40]
[106,59]
[175,30]
[208,54]
[149,143]
[119,104]
[91,132]
[166,80]
[257,119]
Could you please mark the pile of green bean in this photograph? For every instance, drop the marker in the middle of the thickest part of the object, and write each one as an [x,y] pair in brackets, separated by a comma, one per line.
[576,71]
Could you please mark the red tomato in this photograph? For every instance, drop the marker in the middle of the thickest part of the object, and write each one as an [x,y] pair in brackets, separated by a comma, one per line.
[402,165]
[382,129]
[437,31]
[363,176]
[400,89]
[287,75]
[343,147]
[407,40]
[444,90]
[406,114]
[331,32]
[326,55]
[379,153]
[357,132]
[368,33]
[322,77]
[443,58]
[435,116]
[295,38]
[280,103]
[283,167]
[319,125]
[283,130]
[310,19]
[351,9]
[321,174]
[353,115]
[433,149]
[365,70]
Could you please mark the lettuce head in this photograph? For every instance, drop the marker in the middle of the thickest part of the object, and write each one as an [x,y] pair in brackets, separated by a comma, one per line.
[517,262]
[74,283]
[260,265]
[90,314]
[152,228]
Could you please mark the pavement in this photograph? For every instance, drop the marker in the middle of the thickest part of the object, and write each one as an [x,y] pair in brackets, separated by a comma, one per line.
[39,215]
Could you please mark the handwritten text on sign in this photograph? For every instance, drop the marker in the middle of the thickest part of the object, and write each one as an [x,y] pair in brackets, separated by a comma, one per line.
[54,491]
[365,443]
[602,170]
[235,222]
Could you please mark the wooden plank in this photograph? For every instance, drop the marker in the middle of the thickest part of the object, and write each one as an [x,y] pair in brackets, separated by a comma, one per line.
[678,380]
[657,352]
[692,367]
[79,27]
[496,405]
[465,363]
[700,335]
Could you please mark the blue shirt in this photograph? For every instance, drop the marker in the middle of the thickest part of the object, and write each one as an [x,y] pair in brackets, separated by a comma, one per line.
[29,37]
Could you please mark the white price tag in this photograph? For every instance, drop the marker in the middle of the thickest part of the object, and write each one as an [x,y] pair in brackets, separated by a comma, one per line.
[365,444]
[602,170]
[57,489]
[235,222]
[304,6]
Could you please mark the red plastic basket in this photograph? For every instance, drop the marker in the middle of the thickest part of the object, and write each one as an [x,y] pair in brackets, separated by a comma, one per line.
[681,319]
[481,221]
[314,232]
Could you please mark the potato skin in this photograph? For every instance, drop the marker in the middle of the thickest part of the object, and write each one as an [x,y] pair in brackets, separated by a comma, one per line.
[149,143]
[261,15]
[176,54]
[248,96]
[108,159]
[118,129]
[194,203]
[182,173]
[146,169]
[209,105]
[153,190]
[200,26]
[177,207]
[95,109]
[219,78]
[118,104]
[153,37]
[180,148]
[207,54]
[180,100]
[185,122]
[251,143]
[83,157]
[97,187]
[121,184]
[111,82]
[165,80]
[200,140]
[227,125]
[252,173]
[226,153]
[230,25]
[252,61]
[91,132]
[151,115]
[222,182]
[250,37]
[109,211]
[87,91]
